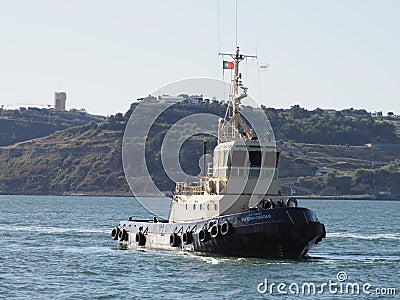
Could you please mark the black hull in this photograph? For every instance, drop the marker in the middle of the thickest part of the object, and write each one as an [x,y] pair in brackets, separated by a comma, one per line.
[272,233]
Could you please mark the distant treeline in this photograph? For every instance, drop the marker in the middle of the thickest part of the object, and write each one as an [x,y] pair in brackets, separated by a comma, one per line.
[346,127]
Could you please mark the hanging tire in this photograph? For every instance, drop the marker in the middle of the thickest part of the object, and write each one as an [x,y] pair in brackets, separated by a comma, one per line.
[174,240]
[226,228]
[122,235]
[187,238]
[114,233]
[291,202]
[140,239]
[268,204]
[210,224]
[203,235]
[214,231]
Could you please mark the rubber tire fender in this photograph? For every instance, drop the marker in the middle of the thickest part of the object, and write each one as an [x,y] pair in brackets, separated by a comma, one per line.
[226,228]
[214,231]
[174,240]
[204,236]
[187,238]
[114,233]
[122,235]
[140,239]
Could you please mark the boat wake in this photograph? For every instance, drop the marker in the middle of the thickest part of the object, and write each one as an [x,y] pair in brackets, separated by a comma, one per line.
[378,236]
[335,258]
[51,230]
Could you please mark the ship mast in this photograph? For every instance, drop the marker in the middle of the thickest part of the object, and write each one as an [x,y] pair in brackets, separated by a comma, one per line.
[238,93]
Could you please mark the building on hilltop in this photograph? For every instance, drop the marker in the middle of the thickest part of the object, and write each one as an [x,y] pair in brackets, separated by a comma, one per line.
[59,100]
[322,172]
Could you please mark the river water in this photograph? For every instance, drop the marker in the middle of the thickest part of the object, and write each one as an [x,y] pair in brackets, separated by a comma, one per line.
[60,248]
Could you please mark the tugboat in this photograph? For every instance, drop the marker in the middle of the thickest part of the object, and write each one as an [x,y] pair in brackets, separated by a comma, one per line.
[237,208]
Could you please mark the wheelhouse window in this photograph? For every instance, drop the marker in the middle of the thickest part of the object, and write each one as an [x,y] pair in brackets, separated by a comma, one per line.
[226,156]
[255,158]
[237,159]
[271,159]
[250,161]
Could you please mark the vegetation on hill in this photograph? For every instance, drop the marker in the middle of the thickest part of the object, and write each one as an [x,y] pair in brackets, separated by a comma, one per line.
[378,183]
[25,124]
[81,154]
[84,159]
[346,127]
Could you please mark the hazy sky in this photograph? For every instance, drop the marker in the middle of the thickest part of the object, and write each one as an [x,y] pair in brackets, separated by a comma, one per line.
[105,54]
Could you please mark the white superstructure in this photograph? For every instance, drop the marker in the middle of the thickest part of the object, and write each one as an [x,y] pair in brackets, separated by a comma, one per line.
[244,172]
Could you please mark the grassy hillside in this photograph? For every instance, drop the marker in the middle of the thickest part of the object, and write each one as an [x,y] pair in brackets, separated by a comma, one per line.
[86,159]
[351,169]
[24,124]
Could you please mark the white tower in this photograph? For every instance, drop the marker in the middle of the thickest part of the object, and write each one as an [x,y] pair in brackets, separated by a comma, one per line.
[59,100]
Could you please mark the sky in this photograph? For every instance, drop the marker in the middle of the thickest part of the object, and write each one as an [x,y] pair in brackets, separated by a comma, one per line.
[105,54]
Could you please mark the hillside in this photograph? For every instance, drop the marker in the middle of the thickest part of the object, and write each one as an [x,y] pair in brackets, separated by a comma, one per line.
[346,127]
[23,124]
[86,159]
[371,169]
[83,159]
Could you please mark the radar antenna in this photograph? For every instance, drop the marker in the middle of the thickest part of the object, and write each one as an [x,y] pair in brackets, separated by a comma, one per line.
[228,130]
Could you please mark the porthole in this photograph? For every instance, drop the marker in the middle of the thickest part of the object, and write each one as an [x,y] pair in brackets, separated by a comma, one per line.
[208,206]
[201,207]
[216,206]
[194,206]
[186,206]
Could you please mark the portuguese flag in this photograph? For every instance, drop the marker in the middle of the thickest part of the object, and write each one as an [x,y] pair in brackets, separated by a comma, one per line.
[228,65]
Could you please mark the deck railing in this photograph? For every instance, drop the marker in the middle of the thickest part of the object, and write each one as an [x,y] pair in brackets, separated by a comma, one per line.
[191,188]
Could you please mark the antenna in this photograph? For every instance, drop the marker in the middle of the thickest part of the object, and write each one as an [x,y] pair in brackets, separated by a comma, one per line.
[218,26]
[236,23]
[204,158]
[258,74]
[238,93]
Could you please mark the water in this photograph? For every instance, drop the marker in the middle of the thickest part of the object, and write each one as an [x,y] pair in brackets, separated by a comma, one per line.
[60,248]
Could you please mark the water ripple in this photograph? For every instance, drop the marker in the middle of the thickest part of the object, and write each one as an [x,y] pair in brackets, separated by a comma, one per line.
[50,230]
[60,251]
[377,236]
